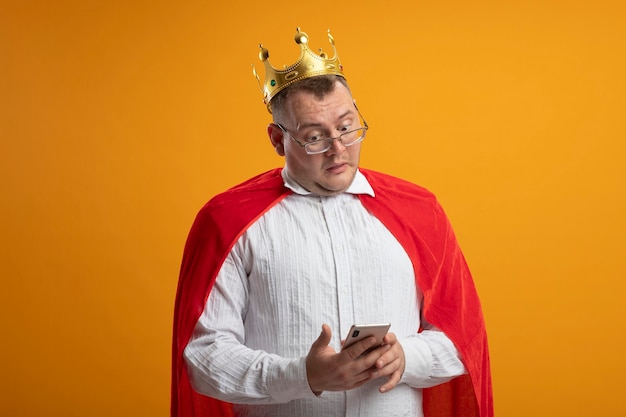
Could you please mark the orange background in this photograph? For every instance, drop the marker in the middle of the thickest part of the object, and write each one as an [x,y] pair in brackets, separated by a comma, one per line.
[119,119]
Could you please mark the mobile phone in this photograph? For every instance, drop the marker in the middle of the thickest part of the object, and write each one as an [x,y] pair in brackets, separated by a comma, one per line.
[362,331]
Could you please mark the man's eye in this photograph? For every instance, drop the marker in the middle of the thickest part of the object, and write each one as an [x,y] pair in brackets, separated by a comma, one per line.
[313,138]
[344,129]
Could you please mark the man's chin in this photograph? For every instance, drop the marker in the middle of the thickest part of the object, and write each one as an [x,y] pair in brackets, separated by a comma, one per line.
[336,185]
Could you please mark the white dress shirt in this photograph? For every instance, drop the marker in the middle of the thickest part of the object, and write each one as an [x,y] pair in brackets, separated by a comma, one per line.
[311,260]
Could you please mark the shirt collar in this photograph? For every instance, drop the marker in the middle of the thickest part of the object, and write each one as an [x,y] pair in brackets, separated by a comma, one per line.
[359,185]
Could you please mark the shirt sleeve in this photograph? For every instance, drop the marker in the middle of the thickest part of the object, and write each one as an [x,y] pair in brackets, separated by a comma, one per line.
[430,359]
[219,363]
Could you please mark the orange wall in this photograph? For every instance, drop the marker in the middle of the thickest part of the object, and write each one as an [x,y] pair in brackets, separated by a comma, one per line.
[119,119]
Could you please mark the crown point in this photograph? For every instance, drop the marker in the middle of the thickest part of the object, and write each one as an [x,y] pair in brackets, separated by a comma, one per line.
[301,38]
[264,54]
[330,38]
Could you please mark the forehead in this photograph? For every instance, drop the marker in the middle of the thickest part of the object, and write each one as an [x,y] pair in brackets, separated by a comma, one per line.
[304,106]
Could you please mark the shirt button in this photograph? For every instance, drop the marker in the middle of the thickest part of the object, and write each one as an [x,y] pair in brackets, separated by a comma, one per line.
[340,248]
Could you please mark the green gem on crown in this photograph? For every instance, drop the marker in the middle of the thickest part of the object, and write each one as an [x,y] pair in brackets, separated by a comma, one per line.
[273,83]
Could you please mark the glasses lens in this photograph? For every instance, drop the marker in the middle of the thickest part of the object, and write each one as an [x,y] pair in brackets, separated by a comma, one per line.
[353,137]
[347,139]
[317,147]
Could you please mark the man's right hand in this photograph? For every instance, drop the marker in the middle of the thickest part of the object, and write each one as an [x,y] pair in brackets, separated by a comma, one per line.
[328,370]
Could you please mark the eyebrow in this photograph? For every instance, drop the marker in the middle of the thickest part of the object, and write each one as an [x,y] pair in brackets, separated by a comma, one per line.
[314,124]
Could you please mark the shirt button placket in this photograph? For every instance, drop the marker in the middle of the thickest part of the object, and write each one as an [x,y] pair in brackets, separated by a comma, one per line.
[336,230]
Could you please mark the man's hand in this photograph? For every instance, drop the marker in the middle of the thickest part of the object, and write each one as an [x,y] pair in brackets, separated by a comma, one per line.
[328,370]
[391,363]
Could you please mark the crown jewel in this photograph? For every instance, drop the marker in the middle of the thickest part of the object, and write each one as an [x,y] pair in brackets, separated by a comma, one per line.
[309,64]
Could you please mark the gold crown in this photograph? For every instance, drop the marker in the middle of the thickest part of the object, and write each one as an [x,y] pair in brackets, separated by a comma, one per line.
[309,64]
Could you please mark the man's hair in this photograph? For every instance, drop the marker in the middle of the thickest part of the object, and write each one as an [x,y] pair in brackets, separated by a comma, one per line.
[319,86]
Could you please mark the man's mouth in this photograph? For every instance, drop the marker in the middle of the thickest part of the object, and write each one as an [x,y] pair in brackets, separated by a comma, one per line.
[337,168]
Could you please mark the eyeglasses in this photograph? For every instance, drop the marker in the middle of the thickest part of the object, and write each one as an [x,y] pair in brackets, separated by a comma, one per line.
[314,145]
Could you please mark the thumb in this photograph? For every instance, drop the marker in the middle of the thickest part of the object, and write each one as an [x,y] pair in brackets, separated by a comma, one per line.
[323,339]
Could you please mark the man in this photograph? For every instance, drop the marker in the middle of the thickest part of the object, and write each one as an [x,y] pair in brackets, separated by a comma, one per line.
[277,269]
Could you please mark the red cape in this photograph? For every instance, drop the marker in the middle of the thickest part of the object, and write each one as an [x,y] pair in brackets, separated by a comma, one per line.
[414,217]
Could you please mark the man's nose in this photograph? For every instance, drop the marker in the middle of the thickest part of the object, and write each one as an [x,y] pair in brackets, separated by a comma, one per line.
[336,146]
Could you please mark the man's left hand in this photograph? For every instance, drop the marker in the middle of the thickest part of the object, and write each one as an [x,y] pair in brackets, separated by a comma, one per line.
[391,363]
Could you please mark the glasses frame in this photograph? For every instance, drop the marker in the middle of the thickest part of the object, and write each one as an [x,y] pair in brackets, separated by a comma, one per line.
[328,140]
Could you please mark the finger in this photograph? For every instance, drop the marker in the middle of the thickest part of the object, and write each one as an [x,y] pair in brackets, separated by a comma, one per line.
[357,349]
[390,338]
[324,338]
[385,356]
[393,381]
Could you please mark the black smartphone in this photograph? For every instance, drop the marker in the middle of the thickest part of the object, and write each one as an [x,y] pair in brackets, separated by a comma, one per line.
[362,331]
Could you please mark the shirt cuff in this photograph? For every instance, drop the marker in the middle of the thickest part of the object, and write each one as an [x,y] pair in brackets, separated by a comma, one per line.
[287,380]
[418,362]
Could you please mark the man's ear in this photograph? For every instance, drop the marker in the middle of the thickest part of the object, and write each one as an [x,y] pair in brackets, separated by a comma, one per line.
[277,136]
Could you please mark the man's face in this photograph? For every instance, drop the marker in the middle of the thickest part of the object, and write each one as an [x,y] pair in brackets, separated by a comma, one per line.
[306,116]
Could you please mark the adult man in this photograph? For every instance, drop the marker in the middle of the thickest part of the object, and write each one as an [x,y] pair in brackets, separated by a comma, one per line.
[318,246]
